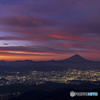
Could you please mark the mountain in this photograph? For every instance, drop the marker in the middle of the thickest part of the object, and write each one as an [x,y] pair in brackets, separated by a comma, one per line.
[74,62]
[76,58]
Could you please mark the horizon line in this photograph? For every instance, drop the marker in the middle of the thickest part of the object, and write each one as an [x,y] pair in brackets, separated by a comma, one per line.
[47,60]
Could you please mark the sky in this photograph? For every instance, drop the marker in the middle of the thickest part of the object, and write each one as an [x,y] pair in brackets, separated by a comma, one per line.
[42,30]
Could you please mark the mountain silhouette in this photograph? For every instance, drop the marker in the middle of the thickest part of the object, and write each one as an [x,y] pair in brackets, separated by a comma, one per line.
[74,62]
[76,58]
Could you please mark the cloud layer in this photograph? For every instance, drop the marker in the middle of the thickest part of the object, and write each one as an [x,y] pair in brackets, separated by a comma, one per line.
[50,28]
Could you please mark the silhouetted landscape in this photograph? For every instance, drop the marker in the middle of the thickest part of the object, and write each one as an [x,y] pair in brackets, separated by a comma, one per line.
[48,90]
[74,62]
[53,91]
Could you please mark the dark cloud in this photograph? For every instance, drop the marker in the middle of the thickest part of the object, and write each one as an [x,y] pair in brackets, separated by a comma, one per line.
[33,49]
[22,54]
[11,38]
[42,49]
[74,22]
[6,44]
[26,21]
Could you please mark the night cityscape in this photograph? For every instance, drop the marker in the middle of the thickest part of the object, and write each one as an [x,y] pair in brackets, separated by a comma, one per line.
[39,77]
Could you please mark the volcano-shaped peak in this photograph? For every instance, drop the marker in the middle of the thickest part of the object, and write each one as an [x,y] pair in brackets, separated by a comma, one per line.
[76,55]
[76,58]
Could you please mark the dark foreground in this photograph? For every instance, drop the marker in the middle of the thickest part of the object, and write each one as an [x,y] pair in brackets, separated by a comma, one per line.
[48,91]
